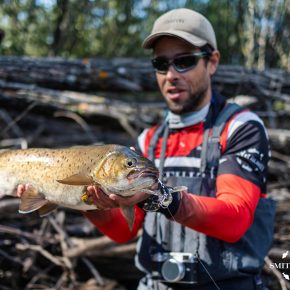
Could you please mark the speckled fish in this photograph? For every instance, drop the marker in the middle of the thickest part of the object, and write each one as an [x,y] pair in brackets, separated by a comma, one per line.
[60,176]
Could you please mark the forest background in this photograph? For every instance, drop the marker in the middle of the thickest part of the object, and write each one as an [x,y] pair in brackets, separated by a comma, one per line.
[51,100]
[251,33]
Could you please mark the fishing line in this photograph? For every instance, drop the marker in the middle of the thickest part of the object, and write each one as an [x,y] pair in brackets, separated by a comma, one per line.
[164,193]
[164,198]
[199,260]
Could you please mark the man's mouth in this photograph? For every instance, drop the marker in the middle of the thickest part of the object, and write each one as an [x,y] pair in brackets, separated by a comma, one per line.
[174,93]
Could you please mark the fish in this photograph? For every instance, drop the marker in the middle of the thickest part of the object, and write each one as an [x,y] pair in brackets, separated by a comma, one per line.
[59,177]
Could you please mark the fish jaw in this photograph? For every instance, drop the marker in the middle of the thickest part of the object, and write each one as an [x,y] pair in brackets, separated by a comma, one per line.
[137,180]
[124,172]
[126,190]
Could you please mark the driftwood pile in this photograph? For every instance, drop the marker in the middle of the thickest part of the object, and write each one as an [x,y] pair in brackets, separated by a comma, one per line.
[56,103]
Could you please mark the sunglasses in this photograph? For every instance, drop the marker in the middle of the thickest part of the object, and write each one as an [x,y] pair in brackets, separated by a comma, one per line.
[181,63]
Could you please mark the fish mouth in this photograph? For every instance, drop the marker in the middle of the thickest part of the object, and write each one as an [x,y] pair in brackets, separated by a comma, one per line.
[143,173]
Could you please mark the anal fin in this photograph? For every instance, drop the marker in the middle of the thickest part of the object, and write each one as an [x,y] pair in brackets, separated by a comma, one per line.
[47,209]
[129,214]
[31,200]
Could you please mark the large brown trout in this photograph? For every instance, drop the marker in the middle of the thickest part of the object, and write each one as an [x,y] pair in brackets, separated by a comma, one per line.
[60,176]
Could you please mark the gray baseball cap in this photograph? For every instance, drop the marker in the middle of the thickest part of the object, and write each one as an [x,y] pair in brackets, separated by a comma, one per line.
[183,23]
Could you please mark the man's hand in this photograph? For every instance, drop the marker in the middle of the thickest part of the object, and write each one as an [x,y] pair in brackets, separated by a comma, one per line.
[104,201]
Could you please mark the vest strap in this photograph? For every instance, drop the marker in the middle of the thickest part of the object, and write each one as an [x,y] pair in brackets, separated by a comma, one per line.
[211,147]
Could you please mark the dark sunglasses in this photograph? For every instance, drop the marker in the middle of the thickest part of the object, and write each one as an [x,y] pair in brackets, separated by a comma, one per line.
[181,63]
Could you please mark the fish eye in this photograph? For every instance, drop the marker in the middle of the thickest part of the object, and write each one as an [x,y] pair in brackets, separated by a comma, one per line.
[131,162]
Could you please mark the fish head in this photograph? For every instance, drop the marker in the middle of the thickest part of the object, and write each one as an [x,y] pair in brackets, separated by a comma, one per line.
[124,172]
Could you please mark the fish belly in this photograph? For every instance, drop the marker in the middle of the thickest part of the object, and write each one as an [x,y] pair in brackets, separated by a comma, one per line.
[8,184]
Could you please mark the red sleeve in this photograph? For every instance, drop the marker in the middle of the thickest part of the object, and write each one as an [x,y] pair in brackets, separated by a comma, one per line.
[113,224]
[226,217]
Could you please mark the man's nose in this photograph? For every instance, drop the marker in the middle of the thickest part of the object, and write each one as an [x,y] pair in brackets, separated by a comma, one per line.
[172,74]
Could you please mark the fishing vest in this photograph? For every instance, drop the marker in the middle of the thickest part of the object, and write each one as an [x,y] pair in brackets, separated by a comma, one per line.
[220,259]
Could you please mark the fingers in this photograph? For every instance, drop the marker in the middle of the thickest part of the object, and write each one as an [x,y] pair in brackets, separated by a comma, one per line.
[104,201]
[100,199]
[129,201]
[21,188]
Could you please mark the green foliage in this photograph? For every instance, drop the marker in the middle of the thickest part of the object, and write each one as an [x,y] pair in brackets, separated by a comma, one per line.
[249,32]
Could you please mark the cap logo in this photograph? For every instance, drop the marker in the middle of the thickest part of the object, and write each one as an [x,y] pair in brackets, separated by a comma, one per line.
[177,21]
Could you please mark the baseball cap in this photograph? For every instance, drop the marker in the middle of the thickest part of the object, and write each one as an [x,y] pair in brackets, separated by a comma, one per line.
[183,23]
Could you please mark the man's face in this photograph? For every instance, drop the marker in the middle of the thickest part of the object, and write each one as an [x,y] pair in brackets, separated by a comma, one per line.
[187,91]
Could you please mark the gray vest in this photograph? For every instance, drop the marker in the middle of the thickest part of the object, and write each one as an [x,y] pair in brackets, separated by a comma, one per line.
[221,259]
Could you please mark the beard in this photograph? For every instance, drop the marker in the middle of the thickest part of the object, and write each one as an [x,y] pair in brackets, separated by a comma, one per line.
[191,104]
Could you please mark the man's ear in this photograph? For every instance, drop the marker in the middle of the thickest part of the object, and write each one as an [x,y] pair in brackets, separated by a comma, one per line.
[213,62]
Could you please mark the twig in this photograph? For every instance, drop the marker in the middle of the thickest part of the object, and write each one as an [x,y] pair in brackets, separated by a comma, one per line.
[83,246]
[31,283]
[116,251]
[276,273]
[17,232]
[79,120]
[64,242]
[18,118]
[11,258]
[4,115]
[59,261]
[69,244]
[96,274]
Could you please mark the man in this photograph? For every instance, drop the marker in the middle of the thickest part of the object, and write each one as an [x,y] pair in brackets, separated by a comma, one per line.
[215,234]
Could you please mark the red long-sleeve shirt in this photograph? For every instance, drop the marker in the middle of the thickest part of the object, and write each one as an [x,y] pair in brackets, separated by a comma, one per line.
[240,180]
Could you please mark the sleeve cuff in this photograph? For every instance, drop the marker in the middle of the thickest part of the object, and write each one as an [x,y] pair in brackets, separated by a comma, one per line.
[171,210]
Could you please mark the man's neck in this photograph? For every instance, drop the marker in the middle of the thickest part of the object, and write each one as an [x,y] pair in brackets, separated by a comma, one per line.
[181,121]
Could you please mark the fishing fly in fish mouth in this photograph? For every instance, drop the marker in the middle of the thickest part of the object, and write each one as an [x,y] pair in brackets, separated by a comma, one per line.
[61,176]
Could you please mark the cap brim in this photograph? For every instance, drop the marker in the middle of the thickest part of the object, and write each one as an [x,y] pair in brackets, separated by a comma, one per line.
[188,37]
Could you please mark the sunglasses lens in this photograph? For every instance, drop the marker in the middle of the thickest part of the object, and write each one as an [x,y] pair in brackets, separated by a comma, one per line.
[160,64]
[181,63]
[185,62]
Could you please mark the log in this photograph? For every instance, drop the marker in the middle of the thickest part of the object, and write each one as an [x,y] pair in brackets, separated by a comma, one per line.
[278,254]
[280,140]
[57,103]
[134,75]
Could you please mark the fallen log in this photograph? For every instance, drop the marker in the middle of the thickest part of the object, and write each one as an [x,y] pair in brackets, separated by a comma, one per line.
[280,140]
[134,75]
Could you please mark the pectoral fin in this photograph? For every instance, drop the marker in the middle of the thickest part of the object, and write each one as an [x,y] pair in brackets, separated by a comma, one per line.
[77,179]
[129,214]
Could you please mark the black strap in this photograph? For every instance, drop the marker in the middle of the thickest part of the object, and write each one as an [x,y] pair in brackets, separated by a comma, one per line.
[163,150]
[227,112]
[211,148]
[154,140]
[210,153]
